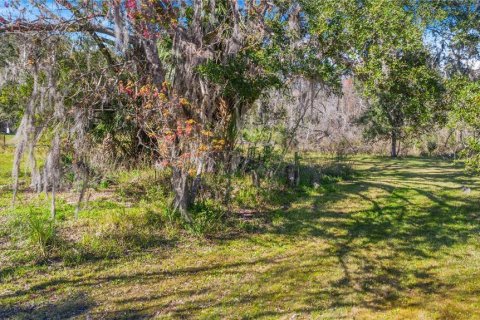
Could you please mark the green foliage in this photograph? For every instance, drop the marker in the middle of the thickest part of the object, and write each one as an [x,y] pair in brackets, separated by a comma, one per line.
[383,40]
[471,154]
[246,195]
[8,49]
[13,98]
[465,98]
[325,177]
[41,233]
[337,170]
[465,115]
[236,79]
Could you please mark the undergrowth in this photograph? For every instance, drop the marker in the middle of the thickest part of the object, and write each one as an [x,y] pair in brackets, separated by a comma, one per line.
[138,215]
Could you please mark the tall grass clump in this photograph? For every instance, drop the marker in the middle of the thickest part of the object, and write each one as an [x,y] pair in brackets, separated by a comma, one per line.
[35,230]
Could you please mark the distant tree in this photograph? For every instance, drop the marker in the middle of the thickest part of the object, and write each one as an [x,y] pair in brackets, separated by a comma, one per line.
[384,50]
[464,97]
[13,96]
[453,29]
[405,98]
[12,100]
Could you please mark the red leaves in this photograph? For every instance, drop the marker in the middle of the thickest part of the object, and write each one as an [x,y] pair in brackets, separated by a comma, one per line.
[179,128]
[170,138]
[168,120]
[188,129]
[146,33]
[131,4]
[126,89]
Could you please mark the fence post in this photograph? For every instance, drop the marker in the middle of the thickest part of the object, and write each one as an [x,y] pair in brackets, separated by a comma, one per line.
[297,169]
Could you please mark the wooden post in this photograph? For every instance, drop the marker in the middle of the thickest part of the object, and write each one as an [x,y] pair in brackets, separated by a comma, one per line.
[292,172]
[290,175]
[297,169]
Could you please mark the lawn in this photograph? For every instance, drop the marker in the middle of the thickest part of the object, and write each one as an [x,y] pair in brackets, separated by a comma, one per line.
[399,241]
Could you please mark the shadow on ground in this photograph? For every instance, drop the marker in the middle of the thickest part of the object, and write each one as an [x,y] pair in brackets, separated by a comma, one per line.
[69,307]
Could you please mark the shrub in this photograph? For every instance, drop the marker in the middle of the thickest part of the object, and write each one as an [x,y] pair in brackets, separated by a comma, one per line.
[329,172]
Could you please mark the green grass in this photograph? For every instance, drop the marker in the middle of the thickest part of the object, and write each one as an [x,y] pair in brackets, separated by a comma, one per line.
[398,241]
[6,159]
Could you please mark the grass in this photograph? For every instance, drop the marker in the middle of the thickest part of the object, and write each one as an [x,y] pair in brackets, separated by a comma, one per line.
[398,241]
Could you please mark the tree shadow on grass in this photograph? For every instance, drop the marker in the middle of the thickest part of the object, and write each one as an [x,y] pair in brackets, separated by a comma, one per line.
[71,306]
[365,256]
[373,245]
[385,249]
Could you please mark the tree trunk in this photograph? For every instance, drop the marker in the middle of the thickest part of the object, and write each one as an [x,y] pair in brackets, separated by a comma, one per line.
[180,188]
[196,184]
[81,195]
[394,144]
